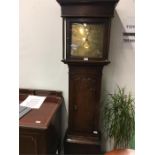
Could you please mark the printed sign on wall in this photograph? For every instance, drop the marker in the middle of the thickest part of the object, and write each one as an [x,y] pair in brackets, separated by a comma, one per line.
[129,33]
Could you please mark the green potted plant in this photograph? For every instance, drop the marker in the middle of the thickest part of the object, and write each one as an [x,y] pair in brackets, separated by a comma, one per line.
[119,118]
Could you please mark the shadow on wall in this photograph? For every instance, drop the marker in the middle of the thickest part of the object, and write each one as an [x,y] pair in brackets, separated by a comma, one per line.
[64,124]
[121,69]
[121,54]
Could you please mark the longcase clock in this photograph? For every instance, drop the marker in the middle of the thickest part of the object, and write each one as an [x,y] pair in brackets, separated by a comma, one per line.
[86,35]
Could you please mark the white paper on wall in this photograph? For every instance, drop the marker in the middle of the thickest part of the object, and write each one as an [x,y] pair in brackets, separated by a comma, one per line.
[129,30]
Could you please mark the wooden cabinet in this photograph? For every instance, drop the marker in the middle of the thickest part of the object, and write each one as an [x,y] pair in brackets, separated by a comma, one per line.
[40,129]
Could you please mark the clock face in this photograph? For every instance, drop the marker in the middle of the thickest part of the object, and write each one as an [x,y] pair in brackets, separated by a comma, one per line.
[87,40]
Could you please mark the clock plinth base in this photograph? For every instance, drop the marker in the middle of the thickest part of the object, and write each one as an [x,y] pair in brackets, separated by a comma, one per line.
[82,144]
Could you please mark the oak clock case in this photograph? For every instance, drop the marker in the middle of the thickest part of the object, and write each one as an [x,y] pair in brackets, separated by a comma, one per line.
[86,35]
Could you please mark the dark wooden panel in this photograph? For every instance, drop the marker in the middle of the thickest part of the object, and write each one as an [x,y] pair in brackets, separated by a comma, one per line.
[72,148]
[28,144]
[39,142]
[87,11]
[84,90]
[82,145]
[87,8]
[86,63]
[84,1]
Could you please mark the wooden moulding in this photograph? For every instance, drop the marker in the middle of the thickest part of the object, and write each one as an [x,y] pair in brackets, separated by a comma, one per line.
[39,92]
[89,63]
[87,8]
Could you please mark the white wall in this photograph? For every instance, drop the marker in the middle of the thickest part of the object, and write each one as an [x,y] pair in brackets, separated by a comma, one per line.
[41,46]
[121,70]
[41,49]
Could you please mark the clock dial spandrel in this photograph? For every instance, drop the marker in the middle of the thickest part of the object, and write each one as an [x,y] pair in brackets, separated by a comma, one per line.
[87,40]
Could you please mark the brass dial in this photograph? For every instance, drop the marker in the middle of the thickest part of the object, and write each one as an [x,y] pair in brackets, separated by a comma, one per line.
[87,40]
